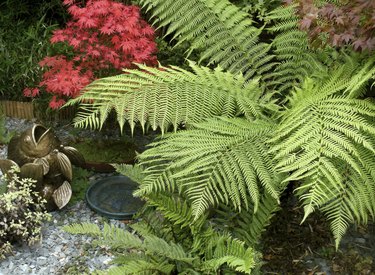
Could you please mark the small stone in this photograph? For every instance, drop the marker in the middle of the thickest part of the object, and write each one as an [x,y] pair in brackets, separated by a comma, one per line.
[41,260]
[360,240]
[44,251]
[61,255]
[24,268]
[58,248]
[43,270]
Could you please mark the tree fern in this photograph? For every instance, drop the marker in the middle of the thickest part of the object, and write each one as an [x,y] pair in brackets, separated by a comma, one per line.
[134,172]
[167,97]
[238,151]
[325,139]
[218,29]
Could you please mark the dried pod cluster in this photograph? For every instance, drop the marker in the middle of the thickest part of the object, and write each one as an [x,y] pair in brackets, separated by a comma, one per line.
[40,155]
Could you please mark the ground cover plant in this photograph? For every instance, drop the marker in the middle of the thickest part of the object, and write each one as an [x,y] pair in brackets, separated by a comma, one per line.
[22,213]
[262,111]
[80,183]
[106,150]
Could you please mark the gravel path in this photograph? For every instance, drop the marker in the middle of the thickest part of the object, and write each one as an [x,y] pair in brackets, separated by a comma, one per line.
[58,252]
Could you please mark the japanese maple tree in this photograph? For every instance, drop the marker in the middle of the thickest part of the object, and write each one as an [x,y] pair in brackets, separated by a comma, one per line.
[105,36]
[343,23]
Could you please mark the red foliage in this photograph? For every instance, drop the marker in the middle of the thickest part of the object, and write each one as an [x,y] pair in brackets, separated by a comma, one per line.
[106,36]
[347,23]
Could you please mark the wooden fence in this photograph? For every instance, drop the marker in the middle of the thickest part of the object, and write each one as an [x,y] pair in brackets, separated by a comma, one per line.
[17,109]
[30,110]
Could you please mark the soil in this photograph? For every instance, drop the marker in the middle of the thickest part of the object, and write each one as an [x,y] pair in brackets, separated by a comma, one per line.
[293,248]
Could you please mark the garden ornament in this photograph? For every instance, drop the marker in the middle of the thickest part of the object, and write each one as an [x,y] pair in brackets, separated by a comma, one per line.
[38,154]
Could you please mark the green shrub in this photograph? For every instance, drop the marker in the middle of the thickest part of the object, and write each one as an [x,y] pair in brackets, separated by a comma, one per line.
[21,214]
[80,183]
[26,27]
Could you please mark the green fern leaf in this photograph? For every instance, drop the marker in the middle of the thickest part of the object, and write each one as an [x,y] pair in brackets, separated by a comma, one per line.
[292,50]
[83,228]
[218,29]
[326,141]
[247,225]
[223,249]
[134,172]
[168,97]
[229,166]
[141,267]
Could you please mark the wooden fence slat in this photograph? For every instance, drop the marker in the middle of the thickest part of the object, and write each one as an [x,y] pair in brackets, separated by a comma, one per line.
[17,109]
[29,110]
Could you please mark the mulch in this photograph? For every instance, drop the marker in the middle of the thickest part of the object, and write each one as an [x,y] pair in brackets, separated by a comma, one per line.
[293,248]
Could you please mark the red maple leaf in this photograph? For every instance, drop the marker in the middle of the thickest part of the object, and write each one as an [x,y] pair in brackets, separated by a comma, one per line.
[105,36]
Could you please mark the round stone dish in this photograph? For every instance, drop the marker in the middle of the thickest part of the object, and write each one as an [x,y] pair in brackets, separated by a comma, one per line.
[113,197]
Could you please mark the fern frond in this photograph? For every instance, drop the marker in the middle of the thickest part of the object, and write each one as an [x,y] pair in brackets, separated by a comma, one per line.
[292,50]
[166,97]
[83,228]
[246,225]
[144,267]
[134,172]
[110,235]
[326,141]
[218,29]
[358,81]
[171,251]
[154,223]
[220,160]
[353,204]
[222,249]
[176,210]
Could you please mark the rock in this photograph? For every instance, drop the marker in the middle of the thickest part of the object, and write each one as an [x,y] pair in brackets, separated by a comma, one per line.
[41,260]
[360,240]
[44,270]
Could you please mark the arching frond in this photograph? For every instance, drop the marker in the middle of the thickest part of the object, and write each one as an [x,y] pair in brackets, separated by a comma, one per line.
[219,161]
[164,97]
[110,235]
[134,172]
[176,210]
[218,29]
[326,140]
[297,59]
